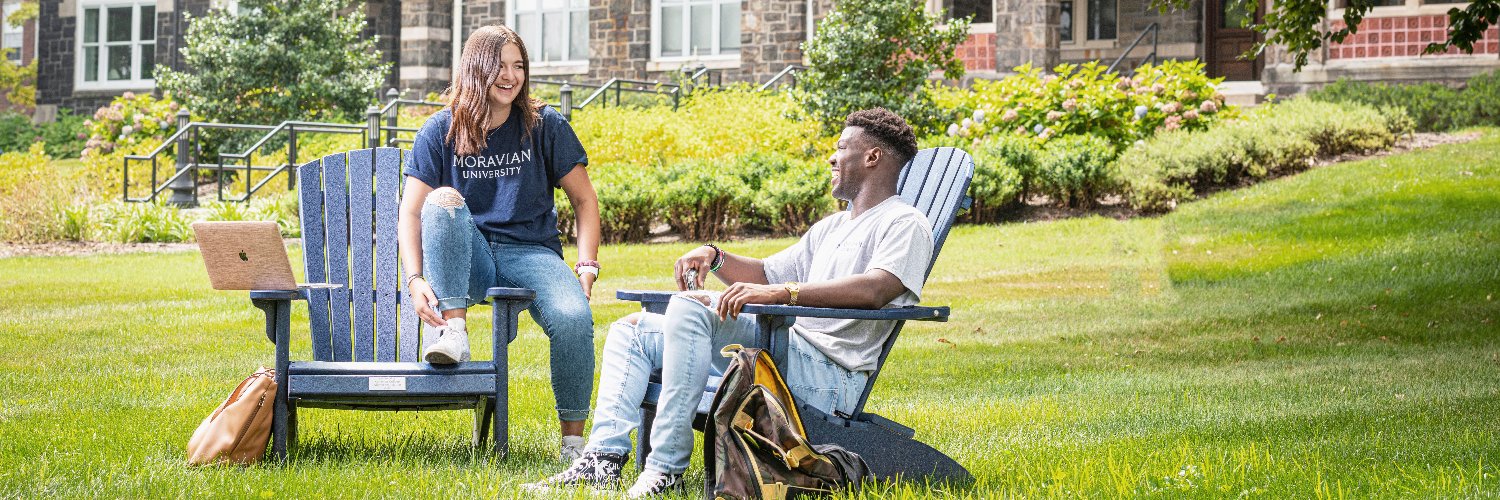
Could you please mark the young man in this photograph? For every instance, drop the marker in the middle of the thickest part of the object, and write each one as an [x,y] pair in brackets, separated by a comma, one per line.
[872,256]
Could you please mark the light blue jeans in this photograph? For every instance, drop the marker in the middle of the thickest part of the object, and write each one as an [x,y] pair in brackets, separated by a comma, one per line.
[684,344]
[461,264]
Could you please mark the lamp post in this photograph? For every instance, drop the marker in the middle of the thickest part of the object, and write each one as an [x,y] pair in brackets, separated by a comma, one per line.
[185,185]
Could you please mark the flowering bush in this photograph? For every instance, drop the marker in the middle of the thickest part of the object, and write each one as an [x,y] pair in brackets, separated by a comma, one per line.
[1088,100]
[131,119]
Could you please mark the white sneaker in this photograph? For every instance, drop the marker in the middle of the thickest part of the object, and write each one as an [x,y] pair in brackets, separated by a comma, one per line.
[572,448]
[452,345]
[652,483]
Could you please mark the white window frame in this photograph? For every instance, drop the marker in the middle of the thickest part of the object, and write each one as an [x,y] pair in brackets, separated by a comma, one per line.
[1081,30]
[135,83]
[7,31]
[714,59]
[568,65]
[1409,8]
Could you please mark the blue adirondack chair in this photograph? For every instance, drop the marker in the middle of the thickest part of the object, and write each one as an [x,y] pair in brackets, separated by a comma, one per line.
[936,182]
[365,334]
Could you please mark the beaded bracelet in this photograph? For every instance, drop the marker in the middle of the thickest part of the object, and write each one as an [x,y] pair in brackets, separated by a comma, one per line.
[718,261]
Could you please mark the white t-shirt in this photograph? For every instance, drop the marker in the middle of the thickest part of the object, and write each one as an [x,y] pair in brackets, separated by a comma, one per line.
[892,236]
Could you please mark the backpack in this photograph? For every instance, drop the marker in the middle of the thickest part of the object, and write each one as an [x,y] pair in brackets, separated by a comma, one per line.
[759,447]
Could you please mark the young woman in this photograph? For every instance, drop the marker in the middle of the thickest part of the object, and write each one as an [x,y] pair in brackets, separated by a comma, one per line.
[477,212]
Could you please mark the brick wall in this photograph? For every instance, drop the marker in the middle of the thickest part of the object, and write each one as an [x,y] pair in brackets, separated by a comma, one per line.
[978,52]
[771,36]
[1026,31]
[1403,37]
[619,39]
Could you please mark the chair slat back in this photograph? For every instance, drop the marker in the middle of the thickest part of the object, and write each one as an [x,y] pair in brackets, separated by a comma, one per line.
[936,181]
[349,209]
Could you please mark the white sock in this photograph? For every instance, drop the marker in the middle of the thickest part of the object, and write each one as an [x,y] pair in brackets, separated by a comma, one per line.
[457,325]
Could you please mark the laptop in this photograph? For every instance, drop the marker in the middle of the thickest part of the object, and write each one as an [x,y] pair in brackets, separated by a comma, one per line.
[244,255]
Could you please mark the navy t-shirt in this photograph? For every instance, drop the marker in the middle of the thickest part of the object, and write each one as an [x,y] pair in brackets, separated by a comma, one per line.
[507,186]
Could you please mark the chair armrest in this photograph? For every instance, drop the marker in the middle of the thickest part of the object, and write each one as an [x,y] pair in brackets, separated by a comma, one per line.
[644,296]
[501,293]
[908,313]
[652,301]
[299,294]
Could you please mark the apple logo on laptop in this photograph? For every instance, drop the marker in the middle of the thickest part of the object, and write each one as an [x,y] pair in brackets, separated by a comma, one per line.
[243,257]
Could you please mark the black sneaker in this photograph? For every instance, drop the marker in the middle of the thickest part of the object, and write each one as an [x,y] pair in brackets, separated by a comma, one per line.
[593,469]
[653,483]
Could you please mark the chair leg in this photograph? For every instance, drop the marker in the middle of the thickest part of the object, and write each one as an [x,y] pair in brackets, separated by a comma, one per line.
[280,427]
[482,412]
[291,425]
[643,437]
[501,422]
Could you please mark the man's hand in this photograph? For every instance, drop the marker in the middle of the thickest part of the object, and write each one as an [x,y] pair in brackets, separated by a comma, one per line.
[699,259]
[740,294]
[424,301]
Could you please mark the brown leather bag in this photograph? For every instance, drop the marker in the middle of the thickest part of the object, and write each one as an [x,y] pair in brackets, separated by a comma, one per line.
[755,445]
[238,430]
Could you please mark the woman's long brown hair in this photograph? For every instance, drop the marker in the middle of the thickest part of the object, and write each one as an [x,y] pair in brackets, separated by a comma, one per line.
[478,70]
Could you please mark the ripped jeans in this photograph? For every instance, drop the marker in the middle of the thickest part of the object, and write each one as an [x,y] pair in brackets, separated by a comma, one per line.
[684,344]
[461,264]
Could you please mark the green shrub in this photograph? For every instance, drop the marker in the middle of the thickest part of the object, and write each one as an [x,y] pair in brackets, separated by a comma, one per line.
[785,195]
[878,53]
[144,223]
[1432,107]
[32,195]
[1088,100]
[732,122]
[627,203]
[1001,167]
[701,202]
[64,138]
[1275,139]
[1075,170]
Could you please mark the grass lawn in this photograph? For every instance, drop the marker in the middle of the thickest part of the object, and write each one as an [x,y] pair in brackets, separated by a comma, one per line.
[1330,334]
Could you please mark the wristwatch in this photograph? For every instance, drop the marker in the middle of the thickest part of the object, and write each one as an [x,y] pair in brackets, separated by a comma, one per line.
[792,288]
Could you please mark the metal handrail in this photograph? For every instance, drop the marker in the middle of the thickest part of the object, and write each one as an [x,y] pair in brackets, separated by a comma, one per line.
[789,71]
[292,127]
[1154,30]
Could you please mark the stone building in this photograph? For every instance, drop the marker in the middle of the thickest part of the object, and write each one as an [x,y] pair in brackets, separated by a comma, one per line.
[83,62]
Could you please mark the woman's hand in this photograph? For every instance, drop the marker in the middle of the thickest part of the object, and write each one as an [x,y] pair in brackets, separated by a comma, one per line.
[425,302]
[698,259]
[587,280]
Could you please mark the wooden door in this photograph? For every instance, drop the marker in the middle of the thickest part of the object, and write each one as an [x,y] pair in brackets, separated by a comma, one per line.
[1228,36]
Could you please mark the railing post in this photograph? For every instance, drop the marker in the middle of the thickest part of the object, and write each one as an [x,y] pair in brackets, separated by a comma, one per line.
[565,100]
[184,187]
[291,159]
[390,121]
[373,113]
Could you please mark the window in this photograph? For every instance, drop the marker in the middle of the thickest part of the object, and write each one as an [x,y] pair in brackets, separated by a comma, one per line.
[117,44]
[1100,20]
[696,28]
[13,36]
[982,10]
[554,30]
[1102,15]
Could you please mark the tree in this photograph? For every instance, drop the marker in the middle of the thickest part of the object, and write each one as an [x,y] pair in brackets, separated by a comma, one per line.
[1296,25]
[278,60]
[870,53]
[17,82]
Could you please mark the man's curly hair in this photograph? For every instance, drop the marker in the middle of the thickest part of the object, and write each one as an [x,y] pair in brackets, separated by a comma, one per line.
[888,129]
